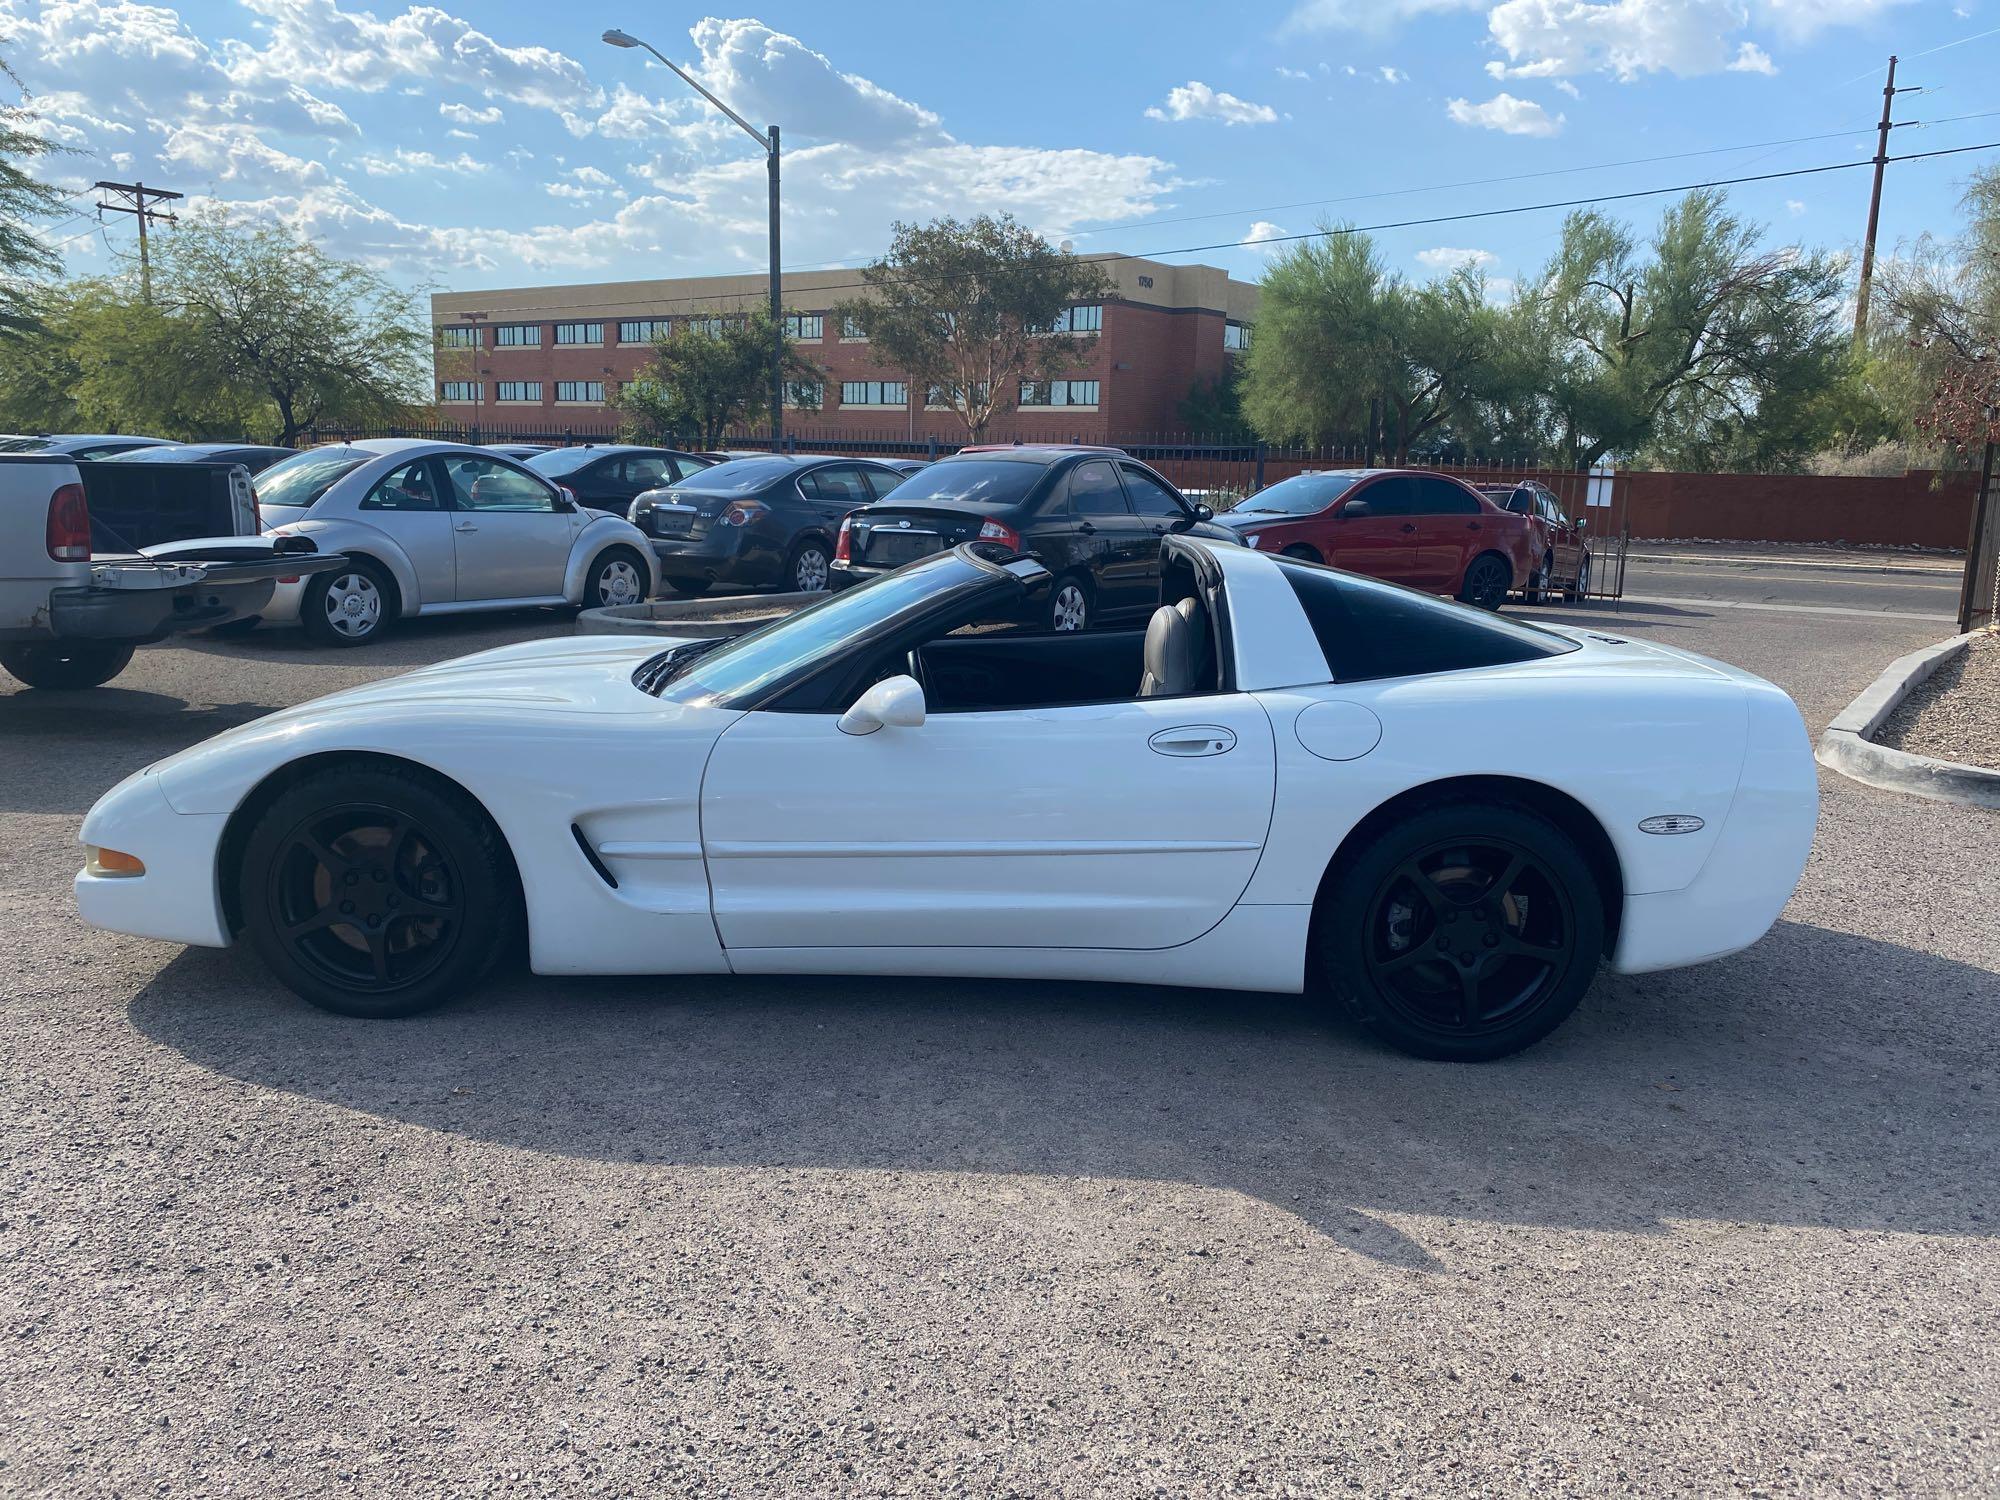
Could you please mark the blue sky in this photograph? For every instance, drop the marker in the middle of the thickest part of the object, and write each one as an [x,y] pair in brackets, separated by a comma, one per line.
[491,142]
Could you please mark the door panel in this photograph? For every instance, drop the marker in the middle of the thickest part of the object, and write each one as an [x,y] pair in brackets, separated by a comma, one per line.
[1377,544]
[1050,828]
[1126,553]
[511,541]
[404,503]
[1450,528]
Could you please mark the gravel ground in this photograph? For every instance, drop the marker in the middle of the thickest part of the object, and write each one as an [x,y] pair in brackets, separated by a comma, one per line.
[1731,1229]
[1954,714]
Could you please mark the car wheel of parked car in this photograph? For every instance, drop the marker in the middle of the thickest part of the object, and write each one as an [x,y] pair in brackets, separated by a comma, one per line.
[73,664]
[618,577]
[1069,605]
[1487,579]
[807,568]
[1463,933]
[1580,589]
[1302,552]
[689,588]
[1541,584]
[376,891]
[347,607]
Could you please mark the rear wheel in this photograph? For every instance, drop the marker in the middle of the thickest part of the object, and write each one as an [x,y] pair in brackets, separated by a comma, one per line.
[347,608]
[1069,605]
[374,892]
[1487,579]
[689,588]
[1465,932]
[808,566]
[618,577]
[72,664]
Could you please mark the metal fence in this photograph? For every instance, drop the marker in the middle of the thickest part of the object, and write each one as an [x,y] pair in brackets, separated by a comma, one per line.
[1979,595]
[1220,471]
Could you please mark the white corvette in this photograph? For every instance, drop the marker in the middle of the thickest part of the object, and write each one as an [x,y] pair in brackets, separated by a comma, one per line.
[1293,778]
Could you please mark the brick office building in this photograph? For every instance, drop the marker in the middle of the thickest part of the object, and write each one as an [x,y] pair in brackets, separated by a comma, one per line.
[546,357]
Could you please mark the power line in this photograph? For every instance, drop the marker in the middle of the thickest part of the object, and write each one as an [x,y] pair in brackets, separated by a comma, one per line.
[712,298]
[134,200]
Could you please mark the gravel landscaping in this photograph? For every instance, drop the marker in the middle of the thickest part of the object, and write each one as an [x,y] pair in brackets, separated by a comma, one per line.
[1955,714]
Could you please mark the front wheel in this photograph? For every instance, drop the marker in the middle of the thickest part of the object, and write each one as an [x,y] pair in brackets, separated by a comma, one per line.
[617,577]
[376,892]
[1069,605]
[1541,583]
[71,664]
[1580,589]
[1487,580]
[1465,932]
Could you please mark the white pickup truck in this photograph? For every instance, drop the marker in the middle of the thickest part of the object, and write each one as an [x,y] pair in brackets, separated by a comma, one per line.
[172,547]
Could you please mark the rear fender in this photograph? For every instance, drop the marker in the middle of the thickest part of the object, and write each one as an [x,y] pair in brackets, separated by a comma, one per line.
[358,539]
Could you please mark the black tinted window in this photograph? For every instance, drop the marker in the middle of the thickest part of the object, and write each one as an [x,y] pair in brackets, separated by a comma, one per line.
[1388,497]
[840,483]
[1440,497]
[881,481]
[1149,496]
[1094,491]
[992,482]
[1370,630]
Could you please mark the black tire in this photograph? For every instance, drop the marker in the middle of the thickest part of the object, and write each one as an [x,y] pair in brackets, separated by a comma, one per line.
[1302,552]
[66,664]
[1579,587]
[618,575]
[689,588]
[328,618]
[1488,957]
[1487,579]
[1069,606]
[808,567]
[329,888]
[1541,582]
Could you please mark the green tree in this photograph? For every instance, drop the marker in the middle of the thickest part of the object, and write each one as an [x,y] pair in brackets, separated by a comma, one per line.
[1213,406]
[1944,298]
[705,377]
[967,312]
[272,318]
[24,200]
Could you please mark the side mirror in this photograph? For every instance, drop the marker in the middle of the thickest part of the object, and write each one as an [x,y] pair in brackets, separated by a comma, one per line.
[894,701]
[1204,512]
[1581,522]
[1355,510]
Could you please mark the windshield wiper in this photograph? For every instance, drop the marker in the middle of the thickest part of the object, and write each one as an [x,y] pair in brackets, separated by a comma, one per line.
[655,672]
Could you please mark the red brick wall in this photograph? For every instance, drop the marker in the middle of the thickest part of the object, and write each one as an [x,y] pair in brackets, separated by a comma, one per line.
[1904,511]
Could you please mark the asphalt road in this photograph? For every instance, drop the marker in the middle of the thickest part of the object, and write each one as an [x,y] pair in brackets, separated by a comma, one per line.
[1803,579]
[1731,1228]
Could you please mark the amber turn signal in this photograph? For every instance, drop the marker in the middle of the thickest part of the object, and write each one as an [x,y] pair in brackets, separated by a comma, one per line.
[115,862]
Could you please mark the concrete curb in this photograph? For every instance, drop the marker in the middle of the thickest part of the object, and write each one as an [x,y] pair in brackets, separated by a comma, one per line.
[1799,564]
[691,616]
[1846,747]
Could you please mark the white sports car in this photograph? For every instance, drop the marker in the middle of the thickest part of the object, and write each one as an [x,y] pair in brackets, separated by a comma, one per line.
[440,528]
[1292,778]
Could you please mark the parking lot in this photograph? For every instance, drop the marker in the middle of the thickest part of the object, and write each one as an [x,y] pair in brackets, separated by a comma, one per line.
[1731,1228]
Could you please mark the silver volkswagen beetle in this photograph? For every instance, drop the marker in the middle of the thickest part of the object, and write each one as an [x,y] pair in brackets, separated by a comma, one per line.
[440,528]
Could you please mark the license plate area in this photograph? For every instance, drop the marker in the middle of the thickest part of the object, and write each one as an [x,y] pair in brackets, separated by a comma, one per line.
[670,520]
[889,548]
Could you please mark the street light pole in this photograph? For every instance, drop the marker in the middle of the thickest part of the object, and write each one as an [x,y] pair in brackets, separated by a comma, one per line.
[768,140]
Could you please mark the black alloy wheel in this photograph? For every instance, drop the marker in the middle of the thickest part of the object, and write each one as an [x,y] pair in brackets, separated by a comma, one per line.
[1487,579]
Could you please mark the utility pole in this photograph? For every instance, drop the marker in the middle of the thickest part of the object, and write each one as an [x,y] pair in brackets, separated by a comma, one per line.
[1889,93]
[135,196]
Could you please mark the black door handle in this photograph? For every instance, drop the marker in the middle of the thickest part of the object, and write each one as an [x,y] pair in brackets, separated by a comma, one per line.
[1087,529]
[1408,527]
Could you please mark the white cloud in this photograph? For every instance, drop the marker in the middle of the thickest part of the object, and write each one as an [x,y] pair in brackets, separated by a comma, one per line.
[1261,235]
[465,114]
[1377,16]
[1794,207]
[1505,113]
[1563,85]
[1197,101]
[1751,58]
[1800,19]
[1294,73]
[766,75]
[405,162]
[237,156]
[1393,75]
[1448,258]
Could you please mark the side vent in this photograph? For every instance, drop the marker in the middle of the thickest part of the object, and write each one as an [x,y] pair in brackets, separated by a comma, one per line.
[603,872]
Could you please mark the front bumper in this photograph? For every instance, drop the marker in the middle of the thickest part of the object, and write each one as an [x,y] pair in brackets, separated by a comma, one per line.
[177,897]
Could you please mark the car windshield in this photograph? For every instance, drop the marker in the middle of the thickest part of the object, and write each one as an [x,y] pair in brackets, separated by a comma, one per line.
[736,674]
[301,479]
[740,474]
[560,461]
[1301,495]
[974,481]
[26,445]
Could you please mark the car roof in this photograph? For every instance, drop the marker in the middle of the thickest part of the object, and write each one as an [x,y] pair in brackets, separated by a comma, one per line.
[1033,453]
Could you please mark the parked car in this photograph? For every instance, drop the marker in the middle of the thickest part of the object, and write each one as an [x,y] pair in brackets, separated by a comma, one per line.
[1427,531]
[74,604]
[908,466]
[1092,516]
[440,528]
[520,452]
[79,444]
[611,476]
[256,457]
[759,522]
[1270,787]
[1563,571]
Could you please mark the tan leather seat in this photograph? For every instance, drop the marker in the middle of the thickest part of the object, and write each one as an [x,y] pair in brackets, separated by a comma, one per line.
[1176,649]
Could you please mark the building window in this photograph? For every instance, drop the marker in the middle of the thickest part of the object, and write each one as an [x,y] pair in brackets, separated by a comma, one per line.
[580,390]
[852,331]
[805,395]
[1058,393]
[939,398]
[458,390]
[579,333]
[642,330]
[1236,336]
[711,328]
[517,335]
[807,328]
[517,390]
[874,393]
[459,338]
[1076,320]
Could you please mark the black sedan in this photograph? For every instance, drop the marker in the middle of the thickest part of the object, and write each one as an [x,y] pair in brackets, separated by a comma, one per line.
[1092,516]
[610,476]
[256,457]
[758,522]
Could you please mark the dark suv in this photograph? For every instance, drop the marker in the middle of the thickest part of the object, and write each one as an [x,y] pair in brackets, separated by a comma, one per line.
[1092,516]
[757,522]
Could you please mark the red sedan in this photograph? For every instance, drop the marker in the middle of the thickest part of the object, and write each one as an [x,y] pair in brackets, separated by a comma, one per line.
[1427,531]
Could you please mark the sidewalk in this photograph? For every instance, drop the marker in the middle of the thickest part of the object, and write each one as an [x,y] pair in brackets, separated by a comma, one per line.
[1819,557]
